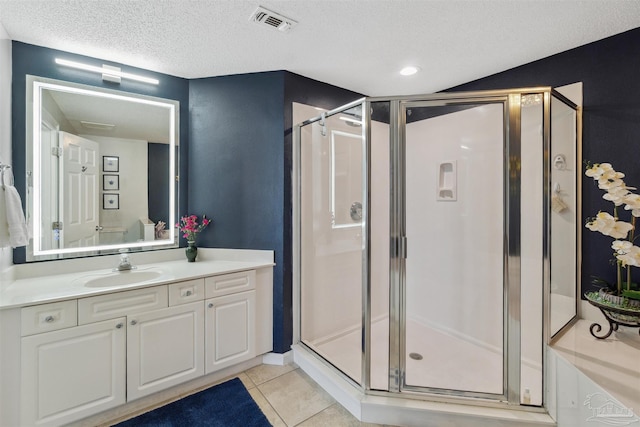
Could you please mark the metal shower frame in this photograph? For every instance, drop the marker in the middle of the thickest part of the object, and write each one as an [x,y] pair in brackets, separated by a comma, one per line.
[511,100]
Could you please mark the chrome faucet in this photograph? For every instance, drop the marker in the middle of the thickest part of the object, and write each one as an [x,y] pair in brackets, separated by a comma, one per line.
[125,262]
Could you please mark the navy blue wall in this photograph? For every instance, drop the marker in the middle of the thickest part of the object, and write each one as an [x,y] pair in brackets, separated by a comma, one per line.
[235,167]
[39,61]
[240,167]
[609,70]
[158,180]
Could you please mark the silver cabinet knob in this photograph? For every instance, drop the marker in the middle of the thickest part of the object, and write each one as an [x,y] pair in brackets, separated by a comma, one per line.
[119,326]
[188,293]
[134,322]
[210,305]
[49,319]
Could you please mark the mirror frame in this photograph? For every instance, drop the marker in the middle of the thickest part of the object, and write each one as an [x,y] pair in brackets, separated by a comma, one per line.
[35,86]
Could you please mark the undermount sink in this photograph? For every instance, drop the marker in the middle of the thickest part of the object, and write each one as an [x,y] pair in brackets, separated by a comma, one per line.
[126,277]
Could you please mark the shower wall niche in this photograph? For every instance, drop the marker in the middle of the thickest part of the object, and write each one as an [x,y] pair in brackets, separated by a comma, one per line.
[427,258]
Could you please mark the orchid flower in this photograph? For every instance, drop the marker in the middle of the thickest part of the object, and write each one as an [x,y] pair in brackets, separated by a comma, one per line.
[617,192]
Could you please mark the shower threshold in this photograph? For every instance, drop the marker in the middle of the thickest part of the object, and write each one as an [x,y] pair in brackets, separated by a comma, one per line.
[396,410]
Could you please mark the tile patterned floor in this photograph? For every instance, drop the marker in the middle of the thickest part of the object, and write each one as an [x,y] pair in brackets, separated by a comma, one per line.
[289,397]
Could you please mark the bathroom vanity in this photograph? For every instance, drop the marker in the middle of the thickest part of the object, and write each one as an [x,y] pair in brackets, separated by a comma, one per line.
[83,341]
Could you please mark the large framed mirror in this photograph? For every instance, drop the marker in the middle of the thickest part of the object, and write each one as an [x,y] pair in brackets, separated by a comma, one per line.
[101,170]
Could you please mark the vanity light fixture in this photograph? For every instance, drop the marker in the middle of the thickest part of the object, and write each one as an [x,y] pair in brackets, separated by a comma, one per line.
[409,71]
[109,73]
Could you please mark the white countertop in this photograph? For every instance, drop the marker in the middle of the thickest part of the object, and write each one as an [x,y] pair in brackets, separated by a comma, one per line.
[612,363]
[29,284]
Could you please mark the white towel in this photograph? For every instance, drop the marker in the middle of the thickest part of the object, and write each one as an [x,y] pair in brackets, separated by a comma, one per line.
[18,233]
[4,226]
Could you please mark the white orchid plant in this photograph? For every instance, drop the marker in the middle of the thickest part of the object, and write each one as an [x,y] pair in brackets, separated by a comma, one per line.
[627,254]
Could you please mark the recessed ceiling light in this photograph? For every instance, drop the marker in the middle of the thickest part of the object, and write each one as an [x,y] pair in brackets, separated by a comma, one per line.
[409,71]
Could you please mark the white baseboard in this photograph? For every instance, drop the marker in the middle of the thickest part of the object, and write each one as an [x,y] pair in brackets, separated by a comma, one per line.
[278,358]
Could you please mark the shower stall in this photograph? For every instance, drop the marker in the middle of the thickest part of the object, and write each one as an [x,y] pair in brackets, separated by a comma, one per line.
[435,241]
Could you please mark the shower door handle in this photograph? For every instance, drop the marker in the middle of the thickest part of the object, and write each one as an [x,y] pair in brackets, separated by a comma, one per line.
[399,247]
[402,249]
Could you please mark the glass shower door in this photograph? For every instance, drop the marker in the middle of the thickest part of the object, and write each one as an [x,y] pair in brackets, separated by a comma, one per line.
[454,269]
[332,237]
[564,275]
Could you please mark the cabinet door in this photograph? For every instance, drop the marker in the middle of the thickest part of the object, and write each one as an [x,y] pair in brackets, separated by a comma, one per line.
[164,347]
[230,330]
[72,373]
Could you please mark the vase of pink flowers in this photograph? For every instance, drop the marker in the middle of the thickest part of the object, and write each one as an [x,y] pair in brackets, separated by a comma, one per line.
[190,227]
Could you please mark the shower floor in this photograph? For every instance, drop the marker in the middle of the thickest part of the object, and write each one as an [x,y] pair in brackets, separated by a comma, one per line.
[448,362]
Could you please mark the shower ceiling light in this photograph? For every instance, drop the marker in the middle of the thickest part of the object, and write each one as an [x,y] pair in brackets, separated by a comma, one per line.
[409,71]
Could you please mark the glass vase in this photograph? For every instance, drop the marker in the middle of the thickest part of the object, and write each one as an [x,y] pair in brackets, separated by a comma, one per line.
[191,251]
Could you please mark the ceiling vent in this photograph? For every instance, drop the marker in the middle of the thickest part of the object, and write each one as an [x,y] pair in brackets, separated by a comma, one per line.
[271,19]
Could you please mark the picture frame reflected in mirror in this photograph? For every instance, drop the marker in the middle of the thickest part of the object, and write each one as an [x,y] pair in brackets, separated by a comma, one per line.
[110,182]
[110,164]
[110,201]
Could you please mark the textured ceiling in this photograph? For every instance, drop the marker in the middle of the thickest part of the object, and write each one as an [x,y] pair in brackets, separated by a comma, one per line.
[355,44]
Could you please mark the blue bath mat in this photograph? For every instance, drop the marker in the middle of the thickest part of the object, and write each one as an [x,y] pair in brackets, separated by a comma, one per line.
[224,405]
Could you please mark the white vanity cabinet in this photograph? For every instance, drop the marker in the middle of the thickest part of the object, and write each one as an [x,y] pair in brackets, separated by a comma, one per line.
[83,356]
[165,344]
[72,373]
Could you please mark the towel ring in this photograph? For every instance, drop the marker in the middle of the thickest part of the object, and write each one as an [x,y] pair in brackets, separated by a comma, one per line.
[3,182]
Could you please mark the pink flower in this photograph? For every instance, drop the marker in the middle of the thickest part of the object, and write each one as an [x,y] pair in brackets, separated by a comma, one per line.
[189,226]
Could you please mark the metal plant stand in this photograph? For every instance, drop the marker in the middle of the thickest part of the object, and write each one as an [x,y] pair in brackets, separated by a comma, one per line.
[616,317]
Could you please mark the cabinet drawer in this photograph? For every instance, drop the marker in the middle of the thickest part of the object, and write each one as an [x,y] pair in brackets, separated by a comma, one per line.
[226,284]
[110,306]
[49,317]
[187,291]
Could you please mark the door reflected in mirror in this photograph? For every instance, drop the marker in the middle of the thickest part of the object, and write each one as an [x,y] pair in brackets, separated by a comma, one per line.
[102,166]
